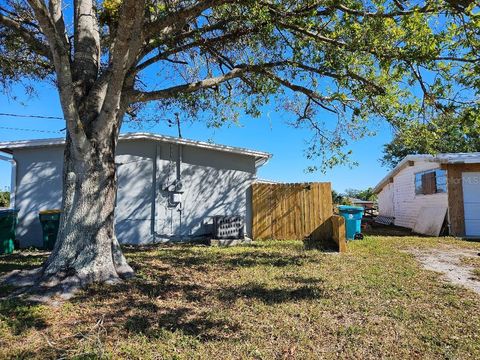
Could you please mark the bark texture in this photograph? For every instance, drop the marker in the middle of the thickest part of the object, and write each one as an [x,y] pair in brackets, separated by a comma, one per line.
[87,250]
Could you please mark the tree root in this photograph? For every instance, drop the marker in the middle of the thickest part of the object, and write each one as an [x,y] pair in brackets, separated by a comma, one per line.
[30,286]
[61,279]
[120,262]
[33,285]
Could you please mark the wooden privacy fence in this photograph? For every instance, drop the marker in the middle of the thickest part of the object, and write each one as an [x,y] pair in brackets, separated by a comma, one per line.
[290,211]
[296,211]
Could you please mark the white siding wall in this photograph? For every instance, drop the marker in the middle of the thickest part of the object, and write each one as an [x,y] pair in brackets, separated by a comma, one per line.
[39,187]
[398,199]
[406,203]
[385,201]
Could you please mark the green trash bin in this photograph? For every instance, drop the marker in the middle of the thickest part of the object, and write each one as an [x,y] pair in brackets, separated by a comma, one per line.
[8,224]
[50,220]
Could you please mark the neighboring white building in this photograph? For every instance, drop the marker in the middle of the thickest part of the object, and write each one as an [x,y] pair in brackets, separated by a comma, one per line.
[450,181]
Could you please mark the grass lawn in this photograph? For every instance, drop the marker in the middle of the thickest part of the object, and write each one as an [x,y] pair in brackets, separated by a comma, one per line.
[270,300]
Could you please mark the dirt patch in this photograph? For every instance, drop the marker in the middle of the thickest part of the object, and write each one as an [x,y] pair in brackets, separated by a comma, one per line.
[374,229]
[451,263]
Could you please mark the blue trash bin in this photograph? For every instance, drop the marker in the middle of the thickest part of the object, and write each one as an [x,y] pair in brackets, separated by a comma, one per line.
[353,219]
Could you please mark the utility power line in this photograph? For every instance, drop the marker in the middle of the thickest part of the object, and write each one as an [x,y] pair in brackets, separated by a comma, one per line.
[33,130]
[33,116]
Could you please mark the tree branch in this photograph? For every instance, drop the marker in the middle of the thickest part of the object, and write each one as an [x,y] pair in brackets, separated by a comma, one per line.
[194,33]
[236,72]
[61,58]
[311,94]
[309,8]
[453,58]
[380,90]
[86,56]
[127,46]
[416,9]
[312,34]
[37,45]
[138,96]
[201,42]
[166,24]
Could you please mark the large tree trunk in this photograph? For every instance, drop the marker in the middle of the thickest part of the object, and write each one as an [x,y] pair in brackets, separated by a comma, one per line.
[87,250]
[93,103]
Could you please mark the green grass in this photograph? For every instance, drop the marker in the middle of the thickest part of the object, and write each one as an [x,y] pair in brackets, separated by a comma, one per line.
[265,301]
[474,263]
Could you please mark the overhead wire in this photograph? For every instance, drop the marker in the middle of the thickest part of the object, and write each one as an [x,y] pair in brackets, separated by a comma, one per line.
[34,130]
[32,116]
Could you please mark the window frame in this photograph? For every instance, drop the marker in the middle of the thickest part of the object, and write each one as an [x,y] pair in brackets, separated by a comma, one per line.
[441,186]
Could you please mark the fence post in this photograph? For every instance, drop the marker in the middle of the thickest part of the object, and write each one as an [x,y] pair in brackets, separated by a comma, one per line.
[338,232]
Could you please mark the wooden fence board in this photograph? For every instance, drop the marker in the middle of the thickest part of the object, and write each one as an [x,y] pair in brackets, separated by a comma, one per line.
[290,211]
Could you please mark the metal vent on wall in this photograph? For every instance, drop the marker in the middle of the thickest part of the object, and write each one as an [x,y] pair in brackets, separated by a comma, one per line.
[228,227]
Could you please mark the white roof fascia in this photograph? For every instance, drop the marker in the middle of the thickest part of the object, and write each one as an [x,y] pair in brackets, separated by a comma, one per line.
[259,155]
[459,158]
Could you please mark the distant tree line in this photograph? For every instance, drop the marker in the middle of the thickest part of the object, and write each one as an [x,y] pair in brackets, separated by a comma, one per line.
[4,198]
[448,133]
[345,198]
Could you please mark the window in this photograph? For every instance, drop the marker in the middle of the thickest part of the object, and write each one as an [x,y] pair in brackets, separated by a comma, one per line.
[431,182]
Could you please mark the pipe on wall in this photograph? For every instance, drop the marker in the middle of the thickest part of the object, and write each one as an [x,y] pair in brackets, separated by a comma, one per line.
[13,179]
[174,191]
[179,164]
[156,176]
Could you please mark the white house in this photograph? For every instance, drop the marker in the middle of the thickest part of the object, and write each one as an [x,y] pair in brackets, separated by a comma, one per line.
[449,181]
[168,188]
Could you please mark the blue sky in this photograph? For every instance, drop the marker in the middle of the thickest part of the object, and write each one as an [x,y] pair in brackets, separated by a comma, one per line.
[268,133]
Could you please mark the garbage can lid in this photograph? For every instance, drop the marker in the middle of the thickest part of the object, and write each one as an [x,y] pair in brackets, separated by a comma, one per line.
[50,211]
[350,208]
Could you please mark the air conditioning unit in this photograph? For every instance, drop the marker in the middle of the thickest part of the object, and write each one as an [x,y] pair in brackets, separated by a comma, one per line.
[228,227]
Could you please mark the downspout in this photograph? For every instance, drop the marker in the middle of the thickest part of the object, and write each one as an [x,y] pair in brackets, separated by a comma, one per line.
[13,179]
[179,185]
[156,176]
[176,189]
[177,196]
[179,164]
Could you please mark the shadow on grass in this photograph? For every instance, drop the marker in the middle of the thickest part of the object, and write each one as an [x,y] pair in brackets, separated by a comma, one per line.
[182,320]
[189,258]
[270,296]
[388,230]
[304,280]
[20,316]
[176,292]
[137,310]
[191,308]
[19,261]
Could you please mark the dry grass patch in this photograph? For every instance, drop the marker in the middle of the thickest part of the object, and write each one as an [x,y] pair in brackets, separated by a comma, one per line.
[264,301]
[474,263]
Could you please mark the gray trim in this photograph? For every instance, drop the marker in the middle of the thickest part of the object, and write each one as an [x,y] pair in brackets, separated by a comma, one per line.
[261,157]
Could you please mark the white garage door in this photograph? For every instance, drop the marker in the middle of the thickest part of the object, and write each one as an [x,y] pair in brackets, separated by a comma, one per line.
[471,202]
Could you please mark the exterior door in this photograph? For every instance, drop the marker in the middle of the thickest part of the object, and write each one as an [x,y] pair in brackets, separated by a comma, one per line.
[471,202]
[133,213]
